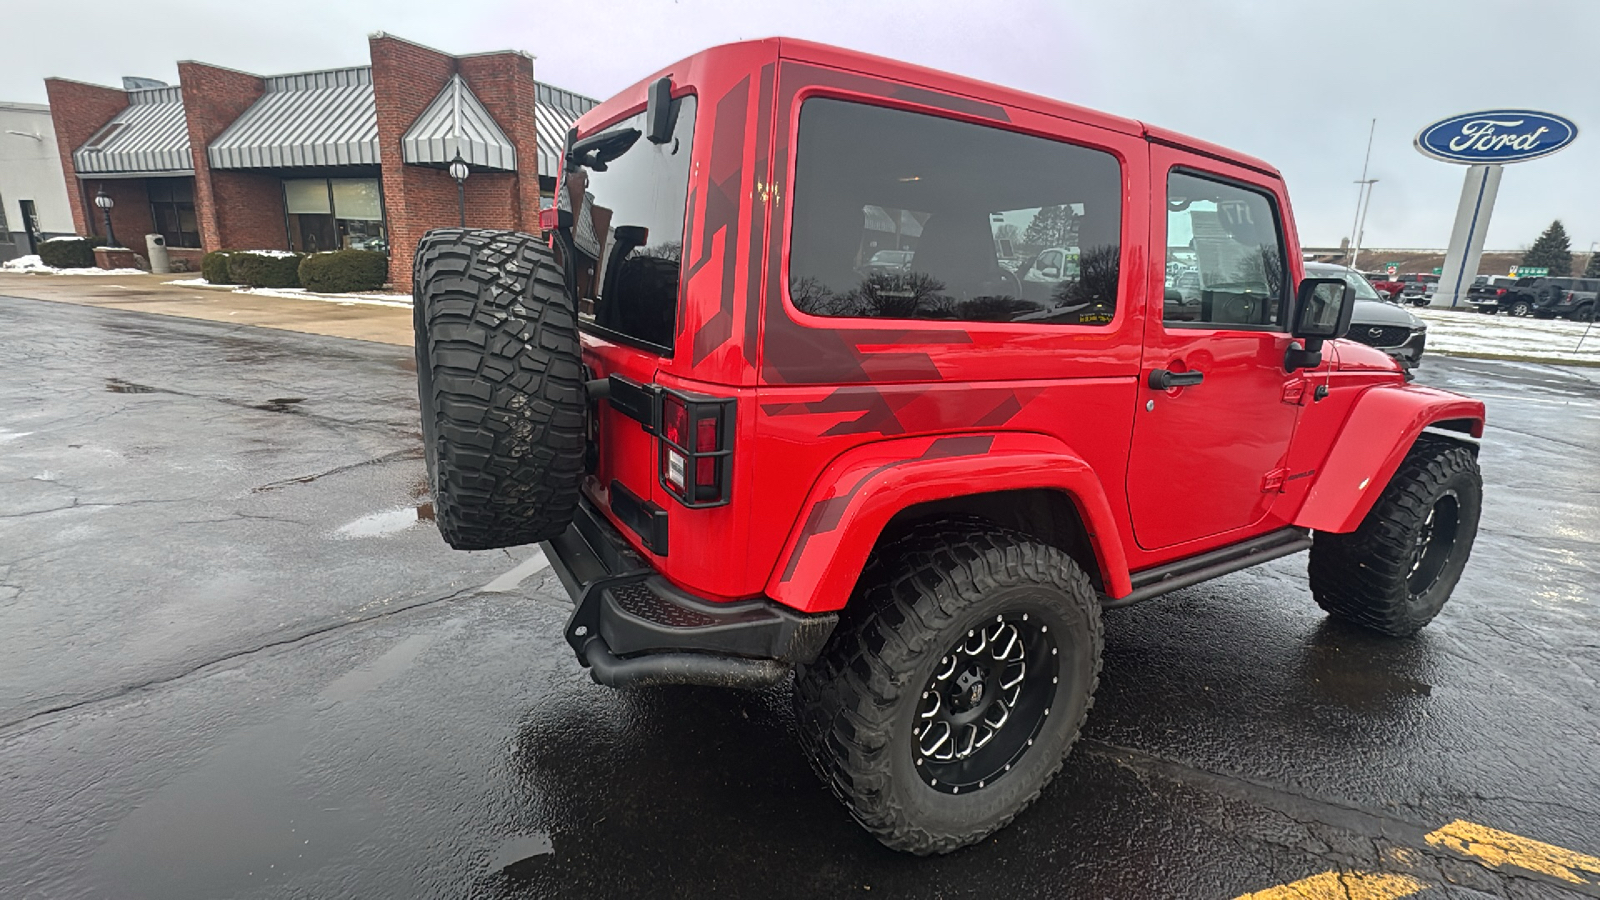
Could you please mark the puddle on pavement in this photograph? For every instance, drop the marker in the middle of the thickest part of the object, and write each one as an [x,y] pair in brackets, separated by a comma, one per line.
[518,851]
[281,404]
[247,816]
[118,386]
[390,521]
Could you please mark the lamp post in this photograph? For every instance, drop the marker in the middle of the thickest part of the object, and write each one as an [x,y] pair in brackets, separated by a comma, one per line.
[459,171]
[104,201]
[1361,219]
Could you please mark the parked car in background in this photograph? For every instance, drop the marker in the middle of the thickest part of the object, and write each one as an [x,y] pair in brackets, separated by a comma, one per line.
[1486,290]
[1388,327]
[1415,288]
[1387,287]
[886,262]
[1547,298]
[1575,301]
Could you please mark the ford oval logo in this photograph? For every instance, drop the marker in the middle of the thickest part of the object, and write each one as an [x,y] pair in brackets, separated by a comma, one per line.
[1496,137]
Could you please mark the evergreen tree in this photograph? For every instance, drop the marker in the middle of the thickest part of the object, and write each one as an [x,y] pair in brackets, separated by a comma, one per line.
[1046,227]
[1593,269]
[1553,250]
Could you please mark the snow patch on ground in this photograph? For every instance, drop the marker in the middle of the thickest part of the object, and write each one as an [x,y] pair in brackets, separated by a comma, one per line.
[275,254]
[1471,332]
[372,299]
[402,300]
[33,265]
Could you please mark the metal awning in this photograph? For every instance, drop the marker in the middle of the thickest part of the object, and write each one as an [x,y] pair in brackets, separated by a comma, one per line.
[457,122]
[555,111]
[313,119]
[149,137]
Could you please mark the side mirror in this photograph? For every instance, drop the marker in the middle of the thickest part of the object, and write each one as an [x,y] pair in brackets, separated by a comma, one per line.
[1050,272]
[658,111]
[1322,311]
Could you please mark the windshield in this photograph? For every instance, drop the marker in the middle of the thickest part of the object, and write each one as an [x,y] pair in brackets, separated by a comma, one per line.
[1364,290]
[626,239]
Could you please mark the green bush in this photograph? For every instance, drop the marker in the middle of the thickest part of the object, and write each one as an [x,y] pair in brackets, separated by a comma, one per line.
[342,271]
[265,268]
[214,267]
[70,252]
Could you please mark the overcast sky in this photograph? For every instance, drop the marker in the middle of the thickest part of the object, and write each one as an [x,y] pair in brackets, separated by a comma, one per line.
[1293,82]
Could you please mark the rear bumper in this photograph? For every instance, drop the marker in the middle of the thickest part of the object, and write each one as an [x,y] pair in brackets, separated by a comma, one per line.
[630,626]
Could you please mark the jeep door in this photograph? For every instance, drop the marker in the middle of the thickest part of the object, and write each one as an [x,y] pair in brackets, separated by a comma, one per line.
[1207,452]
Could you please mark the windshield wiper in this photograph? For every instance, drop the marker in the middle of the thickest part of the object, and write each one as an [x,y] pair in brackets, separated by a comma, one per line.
[595,151]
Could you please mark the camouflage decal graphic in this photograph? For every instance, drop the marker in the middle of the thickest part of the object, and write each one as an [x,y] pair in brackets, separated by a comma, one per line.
[724,202]
[758,220]
[826,515]
[891,413]
[945,101]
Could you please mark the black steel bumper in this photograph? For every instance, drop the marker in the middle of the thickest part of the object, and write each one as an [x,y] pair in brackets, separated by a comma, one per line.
[630,626]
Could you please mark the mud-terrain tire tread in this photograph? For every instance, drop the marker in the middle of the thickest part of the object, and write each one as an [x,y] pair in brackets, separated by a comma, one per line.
[845,702]
[1360,577]
[501,385]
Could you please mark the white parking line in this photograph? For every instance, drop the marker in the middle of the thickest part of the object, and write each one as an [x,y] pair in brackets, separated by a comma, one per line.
[526,569]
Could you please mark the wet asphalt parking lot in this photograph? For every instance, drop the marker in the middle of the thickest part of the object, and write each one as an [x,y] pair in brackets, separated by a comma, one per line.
[237,661]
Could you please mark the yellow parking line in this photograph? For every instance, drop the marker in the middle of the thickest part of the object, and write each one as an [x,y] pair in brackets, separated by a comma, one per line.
[1499,848]
[1342,886]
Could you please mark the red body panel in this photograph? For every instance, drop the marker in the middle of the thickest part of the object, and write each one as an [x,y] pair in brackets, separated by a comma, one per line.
[1384,420]
[843,423]
[859,493]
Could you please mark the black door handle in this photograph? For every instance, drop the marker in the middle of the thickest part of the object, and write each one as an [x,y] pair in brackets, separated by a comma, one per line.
[1161,379]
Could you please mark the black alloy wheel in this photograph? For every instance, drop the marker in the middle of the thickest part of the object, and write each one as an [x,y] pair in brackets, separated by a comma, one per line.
[959,676]
[985,703]
[1435,541]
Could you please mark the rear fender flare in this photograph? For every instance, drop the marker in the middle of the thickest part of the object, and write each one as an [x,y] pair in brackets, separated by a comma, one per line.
[1383,424]
[858,493]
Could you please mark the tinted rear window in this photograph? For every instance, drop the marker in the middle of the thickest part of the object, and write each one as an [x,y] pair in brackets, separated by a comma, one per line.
[984,225]
[628,232]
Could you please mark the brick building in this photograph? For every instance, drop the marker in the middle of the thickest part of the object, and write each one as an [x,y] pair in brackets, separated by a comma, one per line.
[352,158]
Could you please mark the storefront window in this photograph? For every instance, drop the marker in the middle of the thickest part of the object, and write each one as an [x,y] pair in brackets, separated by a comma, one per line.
[172,210]
[334,214]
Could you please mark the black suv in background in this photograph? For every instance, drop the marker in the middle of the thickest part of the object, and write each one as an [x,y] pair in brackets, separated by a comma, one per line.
[1546,297]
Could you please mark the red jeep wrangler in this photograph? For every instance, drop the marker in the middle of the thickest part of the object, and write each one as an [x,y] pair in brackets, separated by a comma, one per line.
[751,451]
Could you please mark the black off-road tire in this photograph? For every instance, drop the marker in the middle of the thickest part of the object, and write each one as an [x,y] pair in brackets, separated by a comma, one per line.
[1382,576]
[1520,309]
[919,596]
[501,384]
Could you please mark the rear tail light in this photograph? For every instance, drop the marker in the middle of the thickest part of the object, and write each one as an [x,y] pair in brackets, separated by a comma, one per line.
[1500,292]
[697,448]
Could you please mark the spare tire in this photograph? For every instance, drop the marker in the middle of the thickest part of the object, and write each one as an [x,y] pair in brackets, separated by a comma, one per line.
[500,382]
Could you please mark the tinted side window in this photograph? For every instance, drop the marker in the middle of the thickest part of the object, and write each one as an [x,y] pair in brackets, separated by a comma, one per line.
[988,225]
[627,231]
[1228,237]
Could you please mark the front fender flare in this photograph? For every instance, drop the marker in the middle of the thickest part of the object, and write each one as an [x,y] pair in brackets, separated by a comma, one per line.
[858,493]
[1378,433]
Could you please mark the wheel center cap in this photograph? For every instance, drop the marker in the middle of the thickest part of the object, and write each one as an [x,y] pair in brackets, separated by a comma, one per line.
[971,688]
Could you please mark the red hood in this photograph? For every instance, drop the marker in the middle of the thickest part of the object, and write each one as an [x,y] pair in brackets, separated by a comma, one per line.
[1351,356]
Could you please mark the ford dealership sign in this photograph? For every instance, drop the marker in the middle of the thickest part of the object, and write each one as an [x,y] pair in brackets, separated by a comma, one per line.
[1496,137]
